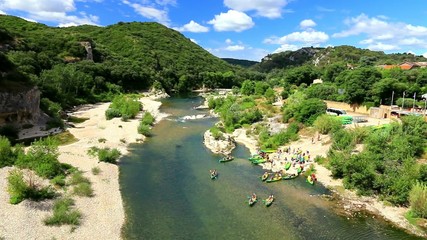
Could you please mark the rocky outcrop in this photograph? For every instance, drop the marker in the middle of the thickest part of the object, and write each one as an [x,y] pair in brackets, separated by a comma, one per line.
[88,47]
[20,107]
[224,146]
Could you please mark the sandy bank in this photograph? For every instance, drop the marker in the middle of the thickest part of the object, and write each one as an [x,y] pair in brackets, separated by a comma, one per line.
[103,214]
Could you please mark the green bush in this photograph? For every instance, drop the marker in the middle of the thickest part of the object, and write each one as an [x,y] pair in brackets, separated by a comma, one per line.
[7,153]
[327,124]
[216,133]
[96,170]
[148,119]
[112,113]
[144,129]
[63,213]
[418,199]
[123,106]
[42,157]
[105,154]
[83,190]
[19,189]
[58,180]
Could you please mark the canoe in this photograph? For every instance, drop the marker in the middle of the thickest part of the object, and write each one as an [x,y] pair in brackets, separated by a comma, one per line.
[268,150]
[289,177]
[265,176]
[274,179]
[214,175]
[225,159]
[288,165]
[268,201]
[252,201]
[310,180]
[262,160]
[254,158]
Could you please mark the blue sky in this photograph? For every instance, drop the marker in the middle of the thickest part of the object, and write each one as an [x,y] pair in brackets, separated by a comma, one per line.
[251,29]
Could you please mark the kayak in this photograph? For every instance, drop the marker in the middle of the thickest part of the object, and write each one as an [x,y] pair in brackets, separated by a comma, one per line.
[274,179]
[252,201]
[288,165]
[310,180]
[265,176]
[225,159]
[289,177]
[268,201]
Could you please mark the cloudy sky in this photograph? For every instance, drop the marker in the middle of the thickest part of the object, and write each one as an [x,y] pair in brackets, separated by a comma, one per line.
[250,29]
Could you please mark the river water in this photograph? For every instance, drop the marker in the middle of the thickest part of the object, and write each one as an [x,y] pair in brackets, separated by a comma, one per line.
[168,193]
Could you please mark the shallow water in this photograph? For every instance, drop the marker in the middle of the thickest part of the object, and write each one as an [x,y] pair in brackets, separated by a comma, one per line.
[168,193]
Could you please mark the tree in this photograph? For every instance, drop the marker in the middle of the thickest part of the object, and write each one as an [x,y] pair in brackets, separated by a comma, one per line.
[418,199]
[247,88]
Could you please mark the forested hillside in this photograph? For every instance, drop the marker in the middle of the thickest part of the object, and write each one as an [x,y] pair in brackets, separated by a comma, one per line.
[321,57]
[122,57]
[240,62]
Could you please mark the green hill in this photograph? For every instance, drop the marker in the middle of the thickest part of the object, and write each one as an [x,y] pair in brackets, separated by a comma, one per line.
[325,56]
[127,55]
[240,62]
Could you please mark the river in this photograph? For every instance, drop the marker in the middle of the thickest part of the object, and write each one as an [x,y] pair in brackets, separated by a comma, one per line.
[168,193]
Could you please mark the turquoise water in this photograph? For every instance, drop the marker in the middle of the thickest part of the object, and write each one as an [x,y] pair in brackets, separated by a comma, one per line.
[168,193]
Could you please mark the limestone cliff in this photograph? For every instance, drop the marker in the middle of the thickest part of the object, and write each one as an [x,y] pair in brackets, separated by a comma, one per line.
[18,107]
[88,47]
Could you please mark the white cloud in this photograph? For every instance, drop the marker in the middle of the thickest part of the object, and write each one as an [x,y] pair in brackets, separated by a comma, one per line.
[194,27]
[70,24]
[29,19]
[323,9]
[194,40]
[228,41]
[235,48]
[2,12]
[165,2]
[38,5]
[425,55]
[311,37]
[307,23]
[286,47]
[232,21]
[50,10]
[150,12]
[264,8]
[383,34]
[382,47]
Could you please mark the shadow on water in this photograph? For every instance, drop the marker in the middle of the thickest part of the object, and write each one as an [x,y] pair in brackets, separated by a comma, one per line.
[168,193]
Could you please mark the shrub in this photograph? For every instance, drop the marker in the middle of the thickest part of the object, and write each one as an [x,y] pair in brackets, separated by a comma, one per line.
[144,129]
[7,155]
[418,199]
[102,140]
[83,190]
[112,113]
[104,154]
[327,124]
[58,180]
[96,170]
[108,155]
[216,133]
[123,106]
[19,189]
[63,213]
[148,119]
[42,157]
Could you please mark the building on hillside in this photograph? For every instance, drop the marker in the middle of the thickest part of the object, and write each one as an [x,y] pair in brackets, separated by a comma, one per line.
[407,66]
[388,66]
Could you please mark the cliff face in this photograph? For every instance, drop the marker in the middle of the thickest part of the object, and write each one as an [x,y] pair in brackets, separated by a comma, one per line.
[88,47]
[19,107]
